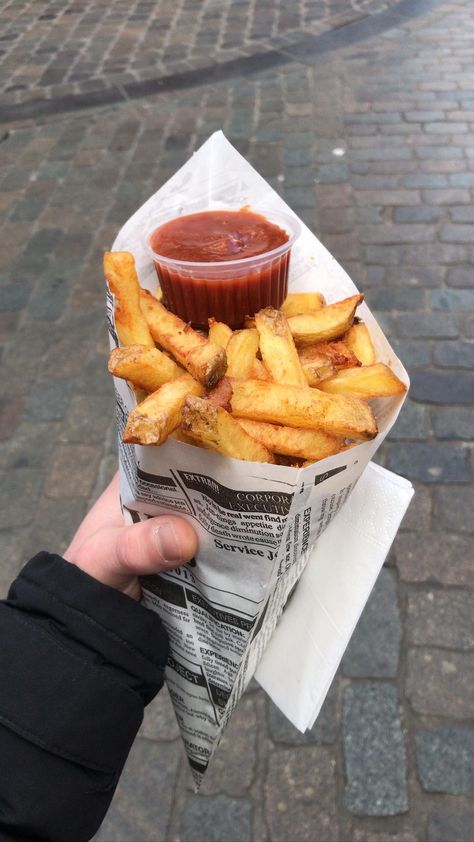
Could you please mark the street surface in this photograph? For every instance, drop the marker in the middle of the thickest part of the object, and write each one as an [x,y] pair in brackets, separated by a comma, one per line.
[362,115]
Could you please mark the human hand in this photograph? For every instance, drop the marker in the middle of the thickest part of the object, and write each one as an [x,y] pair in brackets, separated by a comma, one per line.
[117,555]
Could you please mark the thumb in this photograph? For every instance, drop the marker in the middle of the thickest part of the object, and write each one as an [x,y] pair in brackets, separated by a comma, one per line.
[117,555]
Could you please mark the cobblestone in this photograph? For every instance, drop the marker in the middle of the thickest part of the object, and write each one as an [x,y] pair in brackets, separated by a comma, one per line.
[374,751]
[445,760]
[71,176]
[443,825]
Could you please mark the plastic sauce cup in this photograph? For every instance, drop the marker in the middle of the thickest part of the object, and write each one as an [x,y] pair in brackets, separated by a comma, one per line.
[227,290]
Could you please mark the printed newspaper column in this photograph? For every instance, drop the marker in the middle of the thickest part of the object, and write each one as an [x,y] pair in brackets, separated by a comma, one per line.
[256,522]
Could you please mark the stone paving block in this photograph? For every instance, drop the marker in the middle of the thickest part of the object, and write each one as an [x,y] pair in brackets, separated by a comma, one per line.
[11,557]
[453,299]
[405,835]
[411,423]
[454,354]
[434,557]
[374,647]
[396,298]
[441,618]
[48,400]
[438,682]
[453,508]
[142,804]
[30,446]
[14,296]
[460,276]
[300,797]
[215,818]
[86,420]
[324,729]
[54,524]
[20,492]
[455,422]
[374,751]
[232,769]
[442,387]
[73,471]
[413,352]
[445,760]
[428,325]
[430,462]
[455,826]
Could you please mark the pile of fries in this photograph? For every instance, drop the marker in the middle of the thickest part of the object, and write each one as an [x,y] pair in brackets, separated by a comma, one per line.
[290,388]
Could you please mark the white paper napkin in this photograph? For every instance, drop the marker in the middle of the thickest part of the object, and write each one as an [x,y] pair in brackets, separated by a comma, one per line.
[312,634]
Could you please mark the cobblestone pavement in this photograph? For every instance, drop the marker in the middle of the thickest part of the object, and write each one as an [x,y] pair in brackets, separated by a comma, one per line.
[390,758]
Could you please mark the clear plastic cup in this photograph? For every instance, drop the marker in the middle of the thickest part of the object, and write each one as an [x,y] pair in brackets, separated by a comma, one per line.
[228,290]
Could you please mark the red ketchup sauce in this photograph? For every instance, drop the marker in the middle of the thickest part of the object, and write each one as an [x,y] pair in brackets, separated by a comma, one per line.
[223,287]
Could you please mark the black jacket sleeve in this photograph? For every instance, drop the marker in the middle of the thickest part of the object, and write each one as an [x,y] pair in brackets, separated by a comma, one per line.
[78,662]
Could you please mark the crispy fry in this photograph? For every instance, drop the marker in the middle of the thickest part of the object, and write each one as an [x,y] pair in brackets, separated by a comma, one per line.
[241,353]
[368,381]
[221,394]
[324,359]
[302,302]
[204,360]
[249,322]
[152,420]
[338,352]
[330,322]
[359,341]
[217,429]
[219,333]
[293,441]
[295,407]
[259,372]
[119,270]
[146,368]
[278,349]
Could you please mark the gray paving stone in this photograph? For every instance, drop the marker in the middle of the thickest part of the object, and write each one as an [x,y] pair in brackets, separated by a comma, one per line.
[142,803]
[48,400]
[453,299]
[428,325]
[441,618]
[396,298]
[460,276]
[374,751]
[455,422]
[434,558]
[300,796]
[20,492]
[324,729]
[453,508]
[454,354]
[416,214]
[418,516]
[442,387]
[374,648]
[430,462]
[455,826]
[445,760]
[30,447]
[215,818]
[87,419]
[438,682]
[159,721]
[411,423]
[233,767]
[414,353]
[14,296]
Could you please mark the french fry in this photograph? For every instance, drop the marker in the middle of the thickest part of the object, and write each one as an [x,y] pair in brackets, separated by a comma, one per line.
[146,368]
[324,359]
[325,324]
[302,302]
[218,430]
[219,333]
[342,416]
[152,420]
[259,372]
[221,394]
[368,381]
[120,273]
[359,341]
[292,441]
[241,353]
[278,349]
[204,360]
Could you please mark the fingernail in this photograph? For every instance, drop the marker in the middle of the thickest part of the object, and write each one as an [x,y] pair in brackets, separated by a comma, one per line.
[167,542]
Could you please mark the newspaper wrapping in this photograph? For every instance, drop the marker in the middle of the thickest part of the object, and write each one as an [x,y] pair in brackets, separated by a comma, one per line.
[256,522]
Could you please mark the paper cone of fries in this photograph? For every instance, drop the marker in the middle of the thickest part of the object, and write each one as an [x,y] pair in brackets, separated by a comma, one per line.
[256,521]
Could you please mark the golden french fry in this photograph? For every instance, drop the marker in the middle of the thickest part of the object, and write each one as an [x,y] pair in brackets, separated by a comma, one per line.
[120,273]
[293,441]
[302,302]
[249,322]
[204,360]
[324,359]
[338,352]
[219,333]
[221,394]
[368,381]
[217,429]
[360,342]
[146,368]
[259,372]
[152,420]
[325,324]
[278,349]
[241,353]
[289,405]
